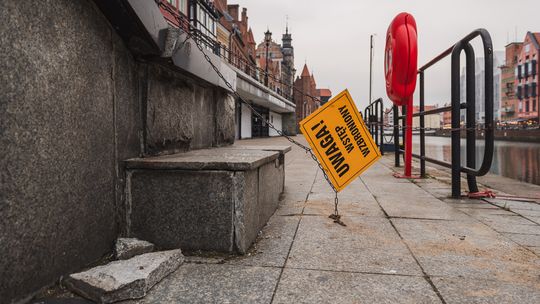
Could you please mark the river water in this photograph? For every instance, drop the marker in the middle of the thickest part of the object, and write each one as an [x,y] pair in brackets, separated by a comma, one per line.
[516,160]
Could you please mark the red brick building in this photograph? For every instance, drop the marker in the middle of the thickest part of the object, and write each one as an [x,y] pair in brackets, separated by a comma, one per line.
[305,85]
[275,59]
[240,43]
[325,95]
[527,79]
[509,101]
[174,10]
[274,70]
[281,67]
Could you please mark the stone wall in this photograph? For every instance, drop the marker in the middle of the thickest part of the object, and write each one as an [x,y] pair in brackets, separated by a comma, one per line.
[74,104]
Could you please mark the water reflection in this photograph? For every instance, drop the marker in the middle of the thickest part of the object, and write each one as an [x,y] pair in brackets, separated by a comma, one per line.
[516,160]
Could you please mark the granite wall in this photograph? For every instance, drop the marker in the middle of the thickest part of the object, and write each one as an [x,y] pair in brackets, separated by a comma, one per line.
[75,103]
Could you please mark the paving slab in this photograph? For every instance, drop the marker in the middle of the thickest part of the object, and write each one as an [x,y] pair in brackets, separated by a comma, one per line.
[466,291]
[524,239]
[467,249]
[535,219]
[210,283]
[469,203]
[536,250]
[510,224]
[406,206]
[527,213]
[311,286]
[290,207]
[367,244]
[515,205]
[488,212]
[397,189]
[272,245]
[362,206]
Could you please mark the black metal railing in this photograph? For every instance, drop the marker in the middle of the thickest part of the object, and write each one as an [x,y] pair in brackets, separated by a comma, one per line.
[373,117]
[455,108]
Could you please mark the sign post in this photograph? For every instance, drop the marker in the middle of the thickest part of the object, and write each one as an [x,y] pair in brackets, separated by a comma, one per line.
[400,69]
[340,140]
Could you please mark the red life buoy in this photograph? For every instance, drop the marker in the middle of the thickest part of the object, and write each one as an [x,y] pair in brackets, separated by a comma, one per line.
[401,59]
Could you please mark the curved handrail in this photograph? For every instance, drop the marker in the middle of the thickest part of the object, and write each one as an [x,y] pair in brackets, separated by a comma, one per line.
[462,45]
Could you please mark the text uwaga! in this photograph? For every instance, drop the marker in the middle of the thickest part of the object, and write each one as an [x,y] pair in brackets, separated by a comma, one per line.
[327,142]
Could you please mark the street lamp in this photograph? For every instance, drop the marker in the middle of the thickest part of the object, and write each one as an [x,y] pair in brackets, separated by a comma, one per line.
[267,39]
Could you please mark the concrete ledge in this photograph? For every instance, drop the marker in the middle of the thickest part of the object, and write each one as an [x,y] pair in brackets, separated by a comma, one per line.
[210,200]
[206,159]
[281,149]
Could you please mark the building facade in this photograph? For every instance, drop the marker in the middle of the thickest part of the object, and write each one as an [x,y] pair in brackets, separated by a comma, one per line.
[526,82]
[224,30]
[431,122]
[288,71]
[305,94]
[175,11]
[280,58]
[509,101]
[325,95]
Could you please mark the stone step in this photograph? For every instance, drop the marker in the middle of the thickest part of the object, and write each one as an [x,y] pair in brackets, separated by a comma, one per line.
[126,248]
[125,279]
[211,200]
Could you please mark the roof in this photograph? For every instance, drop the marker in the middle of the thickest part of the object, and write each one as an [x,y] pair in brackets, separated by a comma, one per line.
[305,71]
[324,92]
[250,38]
[535,38]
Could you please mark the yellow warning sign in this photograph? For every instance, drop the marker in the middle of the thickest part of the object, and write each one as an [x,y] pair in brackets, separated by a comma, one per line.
[340,140]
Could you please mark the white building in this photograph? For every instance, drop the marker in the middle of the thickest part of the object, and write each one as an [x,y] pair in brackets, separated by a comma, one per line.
[498,60]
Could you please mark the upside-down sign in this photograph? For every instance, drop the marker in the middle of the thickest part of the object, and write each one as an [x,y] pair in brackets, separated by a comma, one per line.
[340,140]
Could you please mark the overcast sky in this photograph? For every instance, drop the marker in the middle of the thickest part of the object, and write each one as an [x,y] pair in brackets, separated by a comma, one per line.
[333,36]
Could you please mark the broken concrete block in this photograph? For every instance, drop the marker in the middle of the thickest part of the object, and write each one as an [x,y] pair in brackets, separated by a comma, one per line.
[125,279]
[127,248]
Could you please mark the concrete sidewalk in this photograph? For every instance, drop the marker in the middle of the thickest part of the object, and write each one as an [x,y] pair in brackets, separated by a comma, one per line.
[405,242]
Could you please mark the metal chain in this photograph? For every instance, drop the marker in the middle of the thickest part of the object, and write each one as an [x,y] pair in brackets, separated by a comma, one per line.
[335,216]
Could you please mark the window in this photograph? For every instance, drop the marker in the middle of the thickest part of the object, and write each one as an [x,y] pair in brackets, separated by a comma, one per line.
[527,106]
[520,106]
[182,6]
[534,105]
[527,48]
[518,71]
[526,91]
[533,67]
[172,2]
[533,89]
[518,93]
[526,69]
